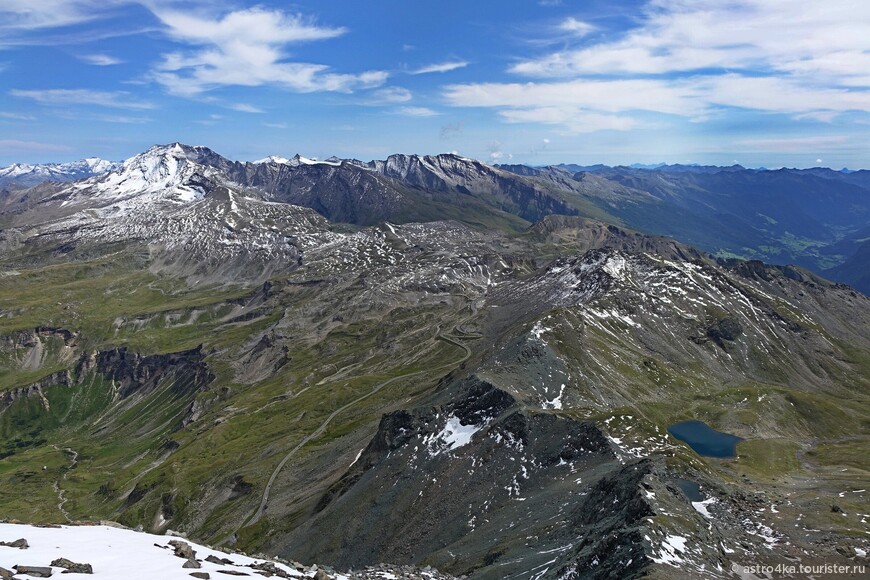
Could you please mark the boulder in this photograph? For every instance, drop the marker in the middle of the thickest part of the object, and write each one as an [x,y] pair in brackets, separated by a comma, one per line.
[183,549]
[72,567]
[35,571]
[269,569]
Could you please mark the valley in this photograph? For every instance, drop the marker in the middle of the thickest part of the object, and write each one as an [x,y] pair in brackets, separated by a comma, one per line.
[281,356]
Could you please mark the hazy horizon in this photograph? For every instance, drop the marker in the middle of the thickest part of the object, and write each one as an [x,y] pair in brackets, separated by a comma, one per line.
[773,83]
[636,165]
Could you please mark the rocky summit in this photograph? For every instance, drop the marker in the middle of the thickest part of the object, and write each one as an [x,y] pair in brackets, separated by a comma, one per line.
[431,367]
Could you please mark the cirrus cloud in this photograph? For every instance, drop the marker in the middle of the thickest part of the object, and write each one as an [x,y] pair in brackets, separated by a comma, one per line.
[759,36]
[23,15]
[417,112]
[441,67]
[114,99]
[101,59]
[575,27]
[692,58]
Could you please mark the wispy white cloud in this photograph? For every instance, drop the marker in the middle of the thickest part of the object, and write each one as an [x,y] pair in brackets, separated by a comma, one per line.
[440,67]
[389,96]
[114,99]
[101,59]
[246,48]
[575,27]
[16,146]
[124,119]
[22,15]
[246,108]
[613,96]
[574,120]
[16,116]
[212,120]
[496,153]
[417,112]
[694,97]
[771,36]
[692,58]
[276,125]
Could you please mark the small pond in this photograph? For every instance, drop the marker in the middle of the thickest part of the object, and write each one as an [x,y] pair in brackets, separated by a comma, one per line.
[705,441]
[690,489]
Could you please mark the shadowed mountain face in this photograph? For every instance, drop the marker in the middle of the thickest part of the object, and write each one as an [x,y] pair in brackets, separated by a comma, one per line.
[286,355]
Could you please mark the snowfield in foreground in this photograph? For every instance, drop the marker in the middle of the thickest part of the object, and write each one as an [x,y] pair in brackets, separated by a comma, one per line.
[117,553]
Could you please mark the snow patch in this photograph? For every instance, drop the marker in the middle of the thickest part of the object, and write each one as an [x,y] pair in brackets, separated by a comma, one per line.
[672,550]
[453,436]
[116,553]
[557,402]
[538,330]
[615,266]
[701,506]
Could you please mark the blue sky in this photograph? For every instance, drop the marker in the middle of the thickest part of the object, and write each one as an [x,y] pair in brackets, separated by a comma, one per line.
[759,82]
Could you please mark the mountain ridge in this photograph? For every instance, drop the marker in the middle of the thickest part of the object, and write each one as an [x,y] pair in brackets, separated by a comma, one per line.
[241,352]
[813,218]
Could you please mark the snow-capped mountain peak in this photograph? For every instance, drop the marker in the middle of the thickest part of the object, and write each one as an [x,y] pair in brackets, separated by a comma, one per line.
[298,160]
[27,174]
[163,170]
[272,159]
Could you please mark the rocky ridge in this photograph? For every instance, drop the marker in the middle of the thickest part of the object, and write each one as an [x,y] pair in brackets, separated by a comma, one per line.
[497,401]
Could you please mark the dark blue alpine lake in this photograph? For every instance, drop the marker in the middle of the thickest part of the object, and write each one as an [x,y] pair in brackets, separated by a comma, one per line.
[705,441]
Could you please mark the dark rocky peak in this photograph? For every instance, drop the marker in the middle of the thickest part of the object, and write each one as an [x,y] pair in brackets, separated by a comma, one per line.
[758,270]
[428,171]
[520,169]
[579,235]
[482,462]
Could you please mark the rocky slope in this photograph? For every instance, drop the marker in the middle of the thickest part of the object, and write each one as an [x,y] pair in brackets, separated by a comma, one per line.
[180,348]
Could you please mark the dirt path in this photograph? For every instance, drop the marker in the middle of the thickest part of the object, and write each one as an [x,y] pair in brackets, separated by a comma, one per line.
[61,495]
[258,513]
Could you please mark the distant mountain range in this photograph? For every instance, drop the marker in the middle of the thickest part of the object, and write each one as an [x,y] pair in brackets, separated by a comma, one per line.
[27,175]
[480,363]
[816,218]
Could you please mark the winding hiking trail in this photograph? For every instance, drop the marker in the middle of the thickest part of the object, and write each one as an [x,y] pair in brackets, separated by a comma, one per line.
[258,513]
[61,495]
